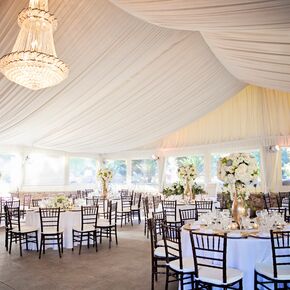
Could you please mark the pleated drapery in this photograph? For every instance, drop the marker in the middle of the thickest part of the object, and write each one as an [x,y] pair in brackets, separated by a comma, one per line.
[251,38]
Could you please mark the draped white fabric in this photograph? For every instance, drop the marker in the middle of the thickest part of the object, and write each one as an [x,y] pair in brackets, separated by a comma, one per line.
[255,114]
[251,38]
[131,82]
[211,15]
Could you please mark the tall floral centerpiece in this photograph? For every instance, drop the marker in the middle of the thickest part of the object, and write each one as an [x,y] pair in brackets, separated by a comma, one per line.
[238,171]
[105,175]
[187,174]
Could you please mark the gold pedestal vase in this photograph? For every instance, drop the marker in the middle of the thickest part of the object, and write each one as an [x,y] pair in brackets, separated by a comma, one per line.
[238,209]
[187,190]
[104,189]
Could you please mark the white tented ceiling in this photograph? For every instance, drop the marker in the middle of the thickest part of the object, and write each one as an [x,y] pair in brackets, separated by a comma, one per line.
[132,82]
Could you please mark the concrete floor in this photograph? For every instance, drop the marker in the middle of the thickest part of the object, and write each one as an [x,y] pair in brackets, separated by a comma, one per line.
[123,267]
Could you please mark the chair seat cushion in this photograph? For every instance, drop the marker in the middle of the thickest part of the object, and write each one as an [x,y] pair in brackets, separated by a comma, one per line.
[267,270]
[159,252]
[127,210]
[161,243]
[51,231]
[86,228]
[135,207]
[215,276]
[103,223]
[24,230]
[188,265]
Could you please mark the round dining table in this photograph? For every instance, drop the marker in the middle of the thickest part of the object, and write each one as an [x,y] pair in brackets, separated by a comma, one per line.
[68,220]
[242,254]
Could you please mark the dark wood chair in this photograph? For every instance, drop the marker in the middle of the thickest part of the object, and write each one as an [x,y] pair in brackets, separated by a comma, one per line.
[35,202]
[136,206]
[169,206]
[50,231]
[283,195]
[279,271]
[103,207]
[210,262]
[92,201]
[12,203]
[268,203]
[203,206]
[87,231]
[158,255]
[145,202]
[17,233]
[108,227]
[176,266]
[125,212]
[159,219]
[188,215]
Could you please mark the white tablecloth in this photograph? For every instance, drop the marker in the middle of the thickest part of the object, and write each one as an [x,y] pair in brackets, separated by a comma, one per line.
[242,254]
[68,220]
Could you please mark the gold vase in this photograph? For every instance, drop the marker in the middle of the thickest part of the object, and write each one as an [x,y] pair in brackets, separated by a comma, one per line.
[238,209]
[187,190]
[104,189]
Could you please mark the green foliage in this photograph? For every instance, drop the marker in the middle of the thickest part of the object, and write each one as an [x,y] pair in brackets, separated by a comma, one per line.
[177,189]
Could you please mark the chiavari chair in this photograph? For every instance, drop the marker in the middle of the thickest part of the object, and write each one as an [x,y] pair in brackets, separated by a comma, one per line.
[108,227]
[136,205]
[210,262]
[125,212]
[279,272]
[50,230]
[87,231]
[169,206]
[188,215]
[35,202]
[176,266]
[17,233]
[203,206]
[145,202]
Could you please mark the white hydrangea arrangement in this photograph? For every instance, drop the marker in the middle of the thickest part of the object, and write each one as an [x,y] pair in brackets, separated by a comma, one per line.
[187,172]
[238,171]
[105,174]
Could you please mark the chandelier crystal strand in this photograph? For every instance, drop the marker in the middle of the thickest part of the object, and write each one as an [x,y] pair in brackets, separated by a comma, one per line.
[33,62]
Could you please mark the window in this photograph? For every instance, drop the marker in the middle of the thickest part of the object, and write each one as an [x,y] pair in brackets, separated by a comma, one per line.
[216,156]
[172,164]
[285,158]
[82,170]
[144,171]
[119,169]
[41,169]
[10,169]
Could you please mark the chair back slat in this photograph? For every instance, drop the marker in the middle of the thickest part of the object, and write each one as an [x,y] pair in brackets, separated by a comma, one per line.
[169,206]
[188,215]
[145,202]
[89,215]
[159,219]
[92,201]
[112,212]
[280,241]
[203,206]
[126,202]
[49,218]
[12,217]
[209,250]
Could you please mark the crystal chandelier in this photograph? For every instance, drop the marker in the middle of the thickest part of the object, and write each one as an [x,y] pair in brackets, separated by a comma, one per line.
[33,62]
